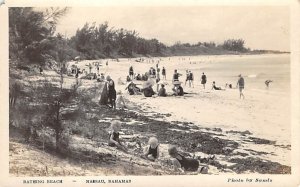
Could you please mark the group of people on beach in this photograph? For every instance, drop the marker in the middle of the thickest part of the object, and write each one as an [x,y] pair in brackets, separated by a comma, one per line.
[180,163]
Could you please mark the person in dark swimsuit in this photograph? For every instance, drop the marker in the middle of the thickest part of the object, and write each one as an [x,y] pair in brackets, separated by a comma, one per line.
[114,136]
[162,91]
[176,76]
[112,94]
[177,89]
[203,80]
[214,87]
[163,72]
[183,164]
[131,72]
[151,151]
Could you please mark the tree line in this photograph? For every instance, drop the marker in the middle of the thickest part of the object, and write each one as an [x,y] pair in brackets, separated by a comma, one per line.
[32,40]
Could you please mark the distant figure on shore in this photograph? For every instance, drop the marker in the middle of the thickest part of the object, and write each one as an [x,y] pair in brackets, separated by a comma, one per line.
[228,85]
[114,136]
[111,92]
[214,87]
[203,80]
[90,68]
[131,72]
[98,68]
[187,76]
[191,79]
[41,70]
[162,91]
[151,151]
[182,164]
[176,76]
[164,73]
[267,83]
[241,85]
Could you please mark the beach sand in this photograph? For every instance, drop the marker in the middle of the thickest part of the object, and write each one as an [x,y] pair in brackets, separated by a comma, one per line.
[250,135]
[261,113]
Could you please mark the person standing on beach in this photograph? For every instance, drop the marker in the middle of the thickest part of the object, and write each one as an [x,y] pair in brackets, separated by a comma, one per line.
[98,68]
[163,72]
[131,72]
[241,85]
[187,77]
[90,68]
[203,80]
[191,79]
[111,92]
[176,75]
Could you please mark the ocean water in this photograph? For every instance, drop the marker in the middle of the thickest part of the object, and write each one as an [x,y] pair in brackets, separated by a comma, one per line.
[255,69]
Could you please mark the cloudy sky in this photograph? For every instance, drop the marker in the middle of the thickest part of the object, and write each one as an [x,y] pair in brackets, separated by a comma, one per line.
[262,27]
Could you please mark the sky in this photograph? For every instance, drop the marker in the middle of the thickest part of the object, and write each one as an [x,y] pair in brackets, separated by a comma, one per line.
[262,27]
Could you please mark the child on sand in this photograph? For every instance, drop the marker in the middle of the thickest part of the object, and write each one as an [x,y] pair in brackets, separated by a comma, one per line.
[120,102]
[183,164]
[151,151]
[114,139]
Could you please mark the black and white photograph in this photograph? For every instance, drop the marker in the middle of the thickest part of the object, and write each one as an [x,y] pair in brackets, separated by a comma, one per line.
[150,91]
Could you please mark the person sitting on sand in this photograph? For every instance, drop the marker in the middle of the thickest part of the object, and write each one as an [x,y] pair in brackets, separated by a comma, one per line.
[214,87]
[133,89]
[120,102]
[114,139]
[148,92]
[102,76]
[162,91]
[151,151]
[177,90]
[138,77]
[267,82]
[241,85]
[182,164]
[128,79]
[228,85]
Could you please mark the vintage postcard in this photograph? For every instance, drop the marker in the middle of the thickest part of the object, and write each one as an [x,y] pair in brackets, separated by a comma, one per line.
[140,93]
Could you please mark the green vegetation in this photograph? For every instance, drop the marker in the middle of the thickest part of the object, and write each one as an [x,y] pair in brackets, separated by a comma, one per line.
[32,40]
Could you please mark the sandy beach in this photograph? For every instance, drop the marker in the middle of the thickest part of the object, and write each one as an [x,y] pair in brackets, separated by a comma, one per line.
[250,135]
[260,114]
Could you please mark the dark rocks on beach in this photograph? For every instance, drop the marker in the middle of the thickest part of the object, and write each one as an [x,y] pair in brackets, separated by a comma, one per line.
[259,166]
[243,133]
[260,141]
